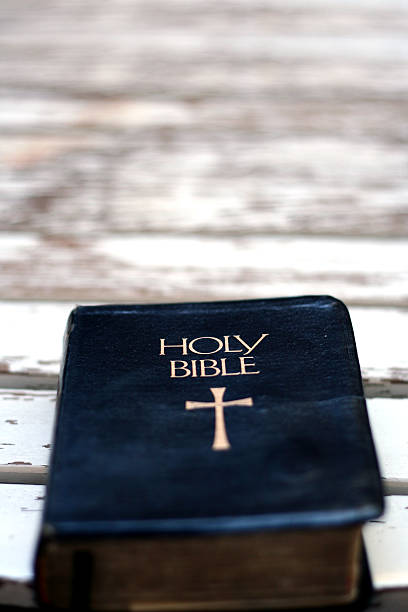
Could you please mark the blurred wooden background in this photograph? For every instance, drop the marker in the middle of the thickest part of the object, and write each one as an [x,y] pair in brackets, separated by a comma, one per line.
[176,150]
[167,150]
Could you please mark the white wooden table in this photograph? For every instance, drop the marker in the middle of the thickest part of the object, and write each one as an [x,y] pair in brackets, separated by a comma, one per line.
[157,151]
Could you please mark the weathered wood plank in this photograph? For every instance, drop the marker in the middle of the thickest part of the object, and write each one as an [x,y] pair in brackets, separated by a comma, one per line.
[20,515]
[27,418]
[27,424]
[382,354]
[160,268]
[129,46]
[31,357]
[20,511]
[34,352]
[201,183]
[386,540]
[197,116]
[389,425]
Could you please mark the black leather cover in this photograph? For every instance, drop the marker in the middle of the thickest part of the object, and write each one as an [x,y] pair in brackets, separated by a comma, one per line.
[130,458]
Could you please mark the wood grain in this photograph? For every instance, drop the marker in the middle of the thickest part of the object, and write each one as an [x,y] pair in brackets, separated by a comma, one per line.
[386,540]
[85,183]
[139,47]
[222,117]
[142,268]
[388,421]
[26,428]
[20,515]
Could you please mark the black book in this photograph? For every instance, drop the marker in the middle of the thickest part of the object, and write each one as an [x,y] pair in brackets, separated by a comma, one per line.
[208,456]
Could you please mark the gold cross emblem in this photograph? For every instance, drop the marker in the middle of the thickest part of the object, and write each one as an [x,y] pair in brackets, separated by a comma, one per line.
[221,441]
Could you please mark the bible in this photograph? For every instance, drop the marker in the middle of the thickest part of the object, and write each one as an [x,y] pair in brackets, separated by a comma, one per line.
[208,456]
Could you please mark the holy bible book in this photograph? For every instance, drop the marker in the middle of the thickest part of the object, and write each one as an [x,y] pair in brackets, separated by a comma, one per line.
[208,456]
